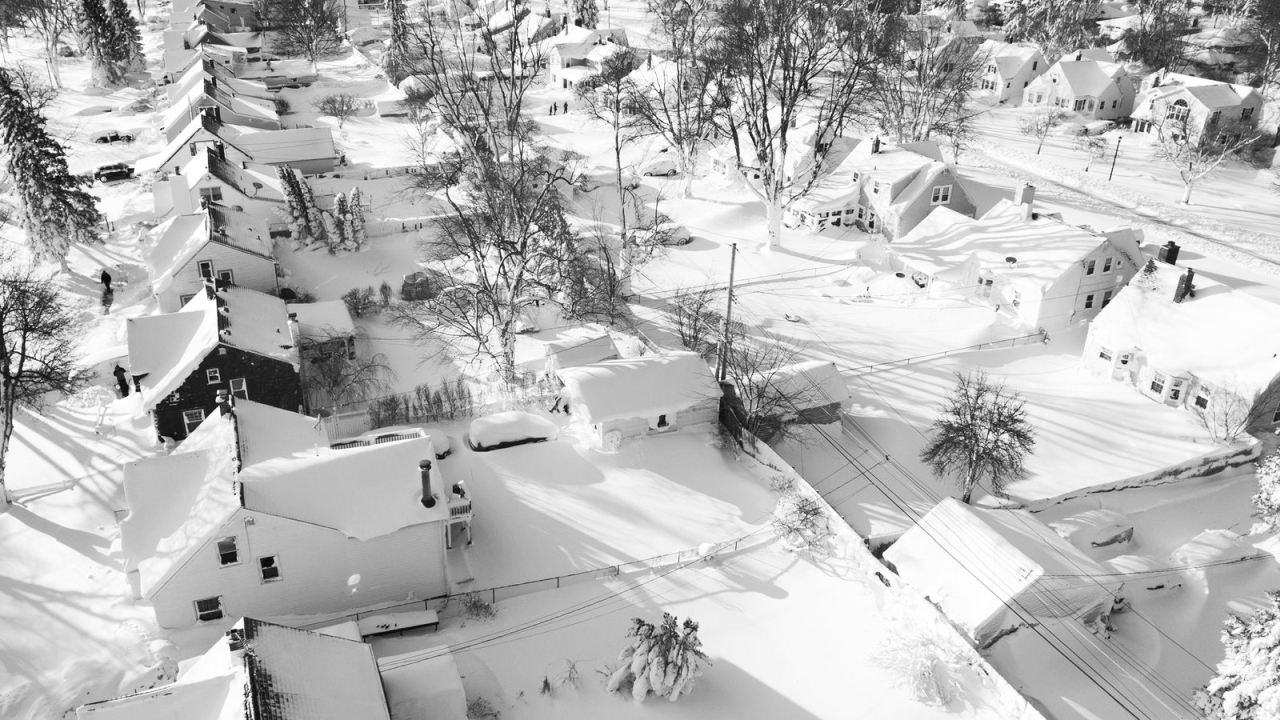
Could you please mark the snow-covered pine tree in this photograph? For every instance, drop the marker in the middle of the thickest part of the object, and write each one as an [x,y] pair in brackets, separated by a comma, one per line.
[664,659]
[128,38]
[295,209]
[1266,502]
[1246,684]
[585,13]
[1148,279]
[100,41]
[315,216]
[395,61]
[333,228]
[55,208]
[357,219]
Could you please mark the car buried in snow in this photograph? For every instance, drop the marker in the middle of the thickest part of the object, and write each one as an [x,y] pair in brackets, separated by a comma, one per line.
[109,137]
[508,429]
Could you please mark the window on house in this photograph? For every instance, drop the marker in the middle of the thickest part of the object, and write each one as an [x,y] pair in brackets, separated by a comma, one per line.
[1215,117]
[205,267]
[1078,105]
[1175,393]
[1090,266]
[1125,358]
[211,194]
[227,552]
[1035,64]
[1157,383]
[941,195]
[1106,298]
[1088,301]
[1178,111]
[1105,354]
[1114,103]
[1106,265]
[240,388]
[1246,113]
[660,423]
[213,375]
[1275,418]
[992,68]
[192,419]
[269,568]
[1202,398]
[184,299]
[875,188]
[227,277]
[209,609]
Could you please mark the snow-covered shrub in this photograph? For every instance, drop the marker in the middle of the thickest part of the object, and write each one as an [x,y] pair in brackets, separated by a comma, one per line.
[481,709]
[1246,685]
[663,659]
[475,607]
[800,520]
[923,663]
[360,301]
[282,105]
[1266,502]
[1148,279]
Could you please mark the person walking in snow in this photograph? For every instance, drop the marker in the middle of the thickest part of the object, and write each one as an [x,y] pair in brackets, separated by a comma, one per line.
[566,107]
[122,381]
[105,278]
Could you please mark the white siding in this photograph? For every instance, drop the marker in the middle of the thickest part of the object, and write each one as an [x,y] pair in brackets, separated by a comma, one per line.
[322,570]
[707,411]
[251,271]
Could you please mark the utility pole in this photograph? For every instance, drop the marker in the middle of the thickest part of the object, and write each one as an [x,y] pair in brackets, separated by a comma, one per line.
[728,316]
[1113,159]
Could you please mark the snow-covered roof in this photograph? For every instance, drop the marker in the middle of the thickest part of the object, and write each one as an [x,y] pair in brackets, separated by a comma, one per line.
[324,320]
[362,492]
[1086,78]
[1008,57]
[1222,37]
[1043,248]
[638,387]
[274,147]
[565,347]
[186,106]
[813,383]
[972,561]
[891,163]
[1225,337]
[175,242]
[166,348]
[265,432]
[290,674]
[429,688]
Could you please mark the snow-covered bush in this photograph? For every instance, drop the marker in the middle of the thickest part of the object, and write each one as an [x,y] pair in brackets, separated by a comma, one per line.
[663,659]
[1148,279]
[1266,502]
[477,608]
[923,663]
[800,520]
[360,302]
[1246,685]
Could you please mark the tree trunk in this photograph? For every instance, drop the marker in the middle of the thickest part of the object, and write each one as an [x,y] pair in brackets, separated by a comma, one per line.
[6,432]
[1186,194]
[617,165]
[774,217]
[51,52]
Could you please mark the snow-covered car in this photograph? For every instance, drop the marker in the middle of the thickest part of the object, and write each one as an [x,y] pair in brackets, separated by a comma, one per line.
[1097,127]
[113,172]
[598,177]
[665,234]
[506,429]
[107,137]
[1071,128]
[662,164]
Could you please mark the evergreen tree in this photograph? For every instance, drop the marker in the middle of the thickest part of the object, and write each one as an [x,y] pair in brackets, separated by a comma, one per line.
[128,38]
[56,210]
[586,13]
[332,231]
[295,211]
[1246,685]
[1148,279]
[395,61]
[664,659]
[357,219]
[101,44]
[1266,502]
[1056,27]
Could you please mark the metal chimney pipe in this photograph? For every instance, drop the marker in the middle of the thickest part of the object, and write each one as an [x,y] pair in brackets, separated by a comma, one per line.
[424,469]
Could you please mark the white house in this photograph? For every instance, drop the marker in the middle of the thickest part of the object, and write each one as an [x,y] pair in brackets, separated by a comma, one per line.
[1184,104]
[546,352]
[1039,271]
[308,150]
[186,251]
[991,570]
[1010,69]
[618,399]
[576,53]
[213,533]
[1092,88]
[1189,342]
[259,670]
[227,106]
[209,178]
[881,188]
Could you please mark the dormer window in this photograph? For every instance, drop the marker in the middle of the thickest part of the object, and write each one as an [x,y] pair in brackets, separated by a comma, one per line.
[1246,113]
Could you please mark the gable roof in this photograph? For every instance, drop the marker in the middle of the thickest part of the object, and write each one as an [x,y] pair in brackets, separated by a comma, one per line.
[1087,77]
[178,240]
[263,671]
[258,432]
[891,164]
[363,492]
[273,147]
[813,383]
[1225,337]
[638,387]
[257,182]
[166,348]
[1008,57]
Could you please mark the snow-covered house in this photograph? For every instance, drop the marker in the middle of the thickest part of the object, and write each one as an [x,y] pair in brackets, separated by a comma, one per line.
[179,85]
[1189,342]
[231,340]
[186,251]
[1010,69]
[260,670]
[1095,89]
[208,178]
[618,399]
[1195,105]
[308,150]
[990,570]
[286,528]
[816,392]
[226,106]
[575,53]
[881,188]
[546,352]
[1041,272]
[1218,48]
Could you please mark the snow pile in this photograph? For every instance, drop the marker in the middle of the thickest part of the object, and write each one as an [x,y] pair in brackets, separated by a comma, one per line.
[1095,528]
[512,427]
[419,687]
[1212,546]
[639,387]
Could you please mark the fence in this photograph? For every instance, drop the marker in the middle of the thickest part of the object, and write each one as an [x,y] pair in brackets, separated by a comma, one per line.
[1036,337]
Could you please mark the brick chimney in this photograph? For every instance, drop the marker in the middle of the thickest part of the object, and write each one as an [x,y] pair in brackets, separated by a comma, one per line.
[1186,286]
[180,194]
[424,470]
[875,145]
[1169,253]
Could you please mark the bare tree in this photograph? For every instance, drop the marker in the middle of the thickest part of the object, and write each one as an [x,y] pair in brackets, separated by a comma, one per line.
[340,377]
[697,320]
[983,435]
[1262,18]
[50,19]
[308,28]
[601,96]
[598,276]
[39,335]
[1039,122]
[1155,35]
[340,106]
[1194,145]
[770,404]
[1094,148]
[1056,27]
[1231,411]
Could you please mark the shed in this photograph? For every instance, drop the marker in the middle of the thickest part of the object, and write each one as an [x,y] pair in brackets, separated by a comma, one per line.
[618,399]
[815,390]
[991,570]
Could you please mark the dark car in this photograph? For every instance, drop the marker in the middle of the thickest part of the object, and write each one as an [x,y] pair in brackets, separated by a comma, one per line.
[112,136]
[111,173]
